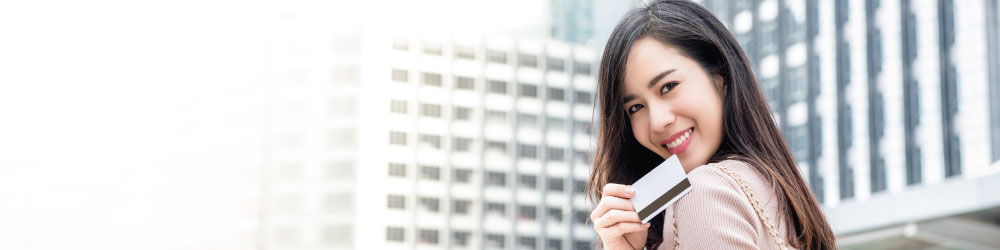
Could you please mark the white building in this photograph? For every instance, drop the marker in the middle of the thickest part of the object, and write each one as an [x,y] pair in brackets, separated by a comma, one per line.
[892,109]
[450,141]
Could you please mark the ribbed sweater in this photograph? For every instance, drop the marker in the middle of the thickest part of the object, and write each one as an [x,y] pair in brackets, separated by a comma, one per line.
[716,214]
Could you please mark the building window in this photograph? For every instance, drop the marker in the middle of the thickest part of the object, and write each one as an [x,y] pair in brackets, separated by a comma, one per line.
[342,138]
[494,241]
[769,37]
[555,184]
[583,127]
[582,97]
[525,212]
[494,208]
[430,172]
[797,82]
[527,181]
[460,207]
[581,68]
[430,204]
[345,75]
[397,106]
[497,87]
[337,234]
[526,242]
[430,110]
[528,90]
[340,170]
[397,170]
[797,142]
[343,106]
[459,144]
[287,235]
[556,94]
[579,186]
[554,154]
[394,234]
[462,114]
[527,151]
[771,91]
[292,171]
[465,52]
[399,75]
[527,121]
[554,244]
[431,79]
[433,141]
[496,56]
[460,238]
[396,202]
[461,175]
[580,216]
[498,179]
[556,64]
[527,61]
[496,146]
[582,156]
[428,236]
[496,117]
[433,49]
[556,124]
[466,83]
[338,202]
[555,214]
[400,45]
[397,138]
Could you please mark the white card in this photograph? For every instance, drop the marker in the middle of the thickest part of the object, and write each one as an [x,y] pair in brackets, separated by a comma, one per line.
[660,188]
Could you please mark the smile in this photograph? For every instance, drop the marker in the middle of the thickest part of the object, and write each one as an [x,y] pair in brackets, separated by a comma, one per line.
[677,143]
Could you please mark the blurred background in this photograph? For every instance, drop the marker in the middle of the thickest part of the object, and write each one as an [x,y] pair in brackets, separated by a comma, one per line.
[446,124]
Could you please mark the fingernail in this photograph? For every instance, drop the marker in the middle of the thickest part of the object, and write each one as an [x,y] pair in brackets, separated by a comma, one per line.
[645,224]
[629,191]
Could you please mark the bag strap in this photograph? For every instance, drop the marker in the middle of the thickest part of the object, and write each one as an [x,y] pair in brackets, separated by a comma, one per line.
[756,206]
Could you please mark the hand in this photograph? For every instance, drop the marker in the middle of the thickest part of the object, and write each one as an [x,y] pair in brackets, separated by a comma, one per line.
[616,221]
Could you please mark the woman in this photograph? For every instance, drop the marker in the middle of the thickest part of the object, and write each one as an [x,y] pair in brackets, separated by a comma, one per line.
[674,81]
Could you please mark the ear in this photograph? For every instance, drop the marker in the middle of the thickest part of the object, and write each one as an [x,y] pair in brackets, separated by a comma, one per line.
[720,85]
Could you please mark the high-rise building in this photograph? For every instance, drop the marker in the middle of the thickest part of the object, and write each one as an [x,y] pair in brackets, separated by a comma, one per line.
[572,21]
[423,141]
[891,108]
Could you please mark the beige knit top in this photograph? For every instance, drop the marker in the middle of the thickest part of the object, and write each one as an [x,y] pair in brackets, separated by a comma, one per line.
[716,214]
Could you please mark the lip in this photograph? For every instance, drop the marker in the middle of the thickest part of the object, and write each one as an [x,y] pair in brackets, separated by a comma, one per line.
[682,147]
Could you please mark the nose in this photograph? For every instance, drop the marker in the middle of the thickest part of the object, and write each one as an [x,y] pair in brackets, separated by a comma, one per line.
[661,115]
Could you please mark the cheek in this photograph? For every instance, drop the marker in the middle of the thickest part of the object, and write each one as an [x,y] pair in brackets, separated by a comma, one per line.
[640,129]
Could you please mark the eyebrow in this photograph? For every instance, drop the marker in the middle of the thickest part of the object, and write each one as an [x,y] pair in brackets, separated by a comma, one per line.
[652,82]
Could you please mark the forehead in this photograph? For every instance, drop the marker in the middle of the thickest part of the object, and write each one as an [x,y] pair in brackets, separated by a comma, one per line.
[649,57]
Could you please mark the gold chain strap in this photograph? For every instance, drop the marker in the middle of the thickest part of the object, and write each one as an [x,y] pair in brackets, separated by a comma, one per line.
[756,206]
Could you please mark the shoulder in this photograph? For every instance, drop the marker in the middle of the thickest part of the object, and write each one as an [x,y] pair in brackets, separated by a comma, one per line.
[716,199]
[712,187]
[718,175]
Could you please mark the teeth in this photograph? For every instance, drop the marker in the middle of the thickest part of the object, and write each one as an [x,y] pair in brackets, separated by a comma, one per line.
[679,140]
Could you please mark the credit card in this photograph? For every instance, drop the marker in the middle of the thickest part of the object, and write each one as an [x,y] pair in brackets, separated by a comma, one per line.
[660,188]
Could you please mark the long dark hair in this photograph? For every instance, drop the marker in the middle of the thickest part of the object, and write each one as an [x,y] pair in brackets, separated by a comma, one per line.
[750,134]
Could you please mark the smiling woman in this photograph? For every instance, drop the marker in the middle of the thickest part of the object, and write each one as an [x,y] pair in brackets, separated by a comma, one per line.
[674,81]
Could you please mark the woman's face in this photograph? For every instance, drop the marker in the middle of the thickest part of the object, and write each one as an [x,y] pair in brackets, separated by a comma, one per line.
[672,103]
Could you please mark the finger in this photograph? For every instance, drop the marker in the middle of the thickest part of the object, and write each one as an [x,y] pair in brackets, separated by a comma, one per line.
[628,227]
[621,228]
[610,202]
[617,216]
[619,190]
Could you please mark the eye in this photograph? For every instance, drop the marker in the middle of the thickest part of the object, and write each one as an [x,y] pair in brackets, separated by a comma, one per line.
[634,108]
[667,87]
